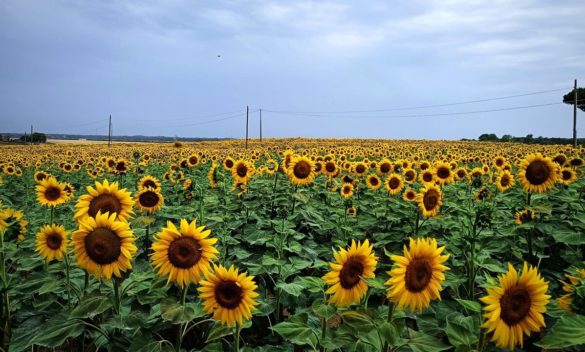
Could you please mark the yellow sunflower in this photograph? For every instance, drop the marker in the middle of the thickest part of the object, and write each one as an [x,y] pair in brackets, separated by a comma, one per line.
[505,181]
[537,174]
[301,171]
[228,163]
[242,171]
[149,200]
[524,216]
[409,195]
[416,277]
[346,278]
[394,183]
[576,281]
[149,181]
[429,200]
[346,190]
[41,175]
[567,176]
[51,193]
[384,167]
[52,242]
[373,182]
[104,246]
[185,254]
[105,197]
[427,177]
[212,175]
[515,307]
[228,294]
[443,173]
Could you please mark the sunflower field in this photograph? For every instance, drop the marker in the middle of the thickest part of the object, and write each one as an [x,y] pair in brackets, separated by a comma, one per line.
[292,245]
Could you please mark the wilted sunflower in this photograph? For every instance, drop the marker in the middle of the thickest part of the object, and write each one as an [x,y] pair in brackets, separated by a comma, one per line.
[103,245]
[515,307]
[242,171]
[50,192]
[149,181]
[149,200]
[374,182]
[228,294]
[105,197]
[52,242]
[346,278]
[394,183]
[346,190]
[524,216]
[505,181]
[567,176]
[184,255]
[576,281]
[443,173]
[416,277]
[537,174]
[212,175]
[301,171]
[429,200]
[409,195]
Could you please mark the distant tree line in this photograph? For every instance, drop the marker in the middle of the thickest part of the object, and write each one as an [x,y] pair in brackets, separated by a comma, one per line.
[529,139]
[37,137]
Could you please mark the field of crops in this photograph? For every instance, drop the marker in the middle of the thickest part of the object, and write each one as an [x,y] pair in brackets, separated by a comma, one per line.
[292,245]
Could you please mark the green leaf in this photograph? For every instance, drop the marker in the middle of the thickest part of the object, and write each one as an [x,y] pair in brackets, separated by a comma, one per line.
[89,307]
[388,333]
[297,333]
[323,310]
[292,288]
[420,342]
[56,331]
[359,321]
[470,305]
[213,347]
[567,332]
[174,312]
[460,331]
[218,331]
[568,237]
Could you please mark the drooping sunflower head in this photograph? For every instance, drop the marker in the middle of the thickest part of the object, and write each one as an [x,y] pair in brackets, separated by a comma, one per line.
[301,170]
[228,294]
[13,224]
[394,183]
[346,278]
[104,246]
[515,306]
[212,175]
[346,190]
[149,200]
[149,181]
[567,176]
[430,199]
[51,242]
[416,277]
[537,174]
[374,182]
[184,255]
[571,302]
[104,198]
[505,181]
[50,192]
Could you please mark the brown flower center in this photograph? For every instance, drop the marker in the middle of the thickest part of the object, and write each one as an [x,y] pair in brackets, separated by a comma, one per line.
[149,199]
[394,183]
[443,172]
[103,246]
[374,181]
[461,174]
[105,203]
[385,167]
[360,169]
[54,240]
[350,274]
[149,183]
[505,181]
[52,193]
[302,169]
[41,177]
[242,170]
[228,294]
[515,305]
[184,252]
[346,189]
[409,176]
[566,175]
[193,160]
[229,163]
[330,167]
[418,274]
[410,195]
[537,172]
[431,199]
[427,177]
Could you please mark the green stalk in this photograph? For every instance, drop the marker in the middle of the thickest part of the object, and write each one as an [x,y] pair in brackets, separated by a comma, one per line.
[389,320]
[180,326]
[237,337]
[5,298]
[116,295]
[52,215]
[68,280]
[416,223]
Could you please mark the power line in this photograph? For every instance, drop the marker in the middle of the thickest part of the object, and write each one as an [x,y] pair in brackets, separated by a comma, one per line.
[419,107]
[188,118]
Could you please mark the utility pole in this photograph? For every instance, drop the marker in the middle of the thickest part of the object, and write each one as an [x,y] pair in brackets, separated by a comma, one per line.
[31,134]
[260,125]
[247,112]
[110,131]
[575,118]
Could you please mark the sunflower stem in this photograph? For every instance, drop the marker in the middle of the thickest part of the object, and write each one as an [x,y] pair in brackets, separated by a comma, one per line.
[389,320]
[416,223]
[116,295]
[67,278]
[85,282]
[184,295]
[237,338]
[52,215]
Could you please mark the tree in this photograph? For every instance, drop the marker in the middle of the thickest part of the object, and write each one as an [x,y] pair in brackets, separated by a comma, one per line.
[36,138]
[506,138]
[569,98]
[488,137]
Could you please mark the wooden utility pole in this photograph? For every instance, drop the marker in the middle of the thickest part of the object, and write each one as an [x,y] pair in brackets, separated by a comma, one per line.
[575,118]
[260,125]
[31,134]
[110,131]
[247,112]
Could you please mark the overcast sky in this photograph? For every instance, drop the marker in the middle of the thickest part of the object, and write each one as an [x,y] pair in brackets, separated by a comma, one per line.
[317,69]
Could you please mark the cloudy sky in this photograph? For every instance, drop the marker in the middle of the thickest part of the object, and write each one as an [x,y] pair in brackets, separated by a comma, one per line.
[390,69]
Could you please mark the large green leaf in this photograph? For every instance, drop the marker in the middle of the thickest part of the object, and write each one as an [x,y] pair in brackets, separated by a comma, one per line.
[91,306]
[176,313]
[420,342]
[218,331]
[568,331]
[324,310]
[569,237]
[461,332]
[297,333]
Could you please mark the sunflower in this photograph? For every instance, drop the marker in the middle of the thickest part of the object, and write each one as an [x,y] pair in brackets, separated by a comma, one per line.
[149,181]
[271,166]
[13,223]
[301,171]
[185,254]
[212,175]
[149,200]
[351,211]
[228,163]
[567,176]
[576,282]
[537,174]
[430,200]
[52,242]
[505,181]
[384,167]
[374,182]
[105,197]
[187,184]
[394,183]
[346,278]
[515,307]
[104,245]
[228,294]
[443,173]
[427,177]
[242,171]
[41,175]
[524,216]
[409,176]
[416,277]
[482,194]
[409,195]
[346,190]
[461,174]
[51,193]
[193,160]
[360,169]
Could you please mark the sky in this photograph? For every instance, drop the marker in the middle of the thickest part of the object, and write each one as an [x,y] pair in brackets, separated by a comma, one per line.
[346,69]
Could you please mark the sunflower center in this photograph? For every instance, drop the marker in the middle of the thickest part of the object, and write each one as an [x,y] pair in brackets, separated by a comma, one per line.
[385,167]
[346,190]
[350,274]
[103,246]
[431,199]
[505,181]
[330,167]
[148,199]
[394,183]
[193,160]
[499,162]
[229,164]
[443,172]
[360,169]
[427,177]
[104,203]
[242,170]
[537,172]
[184,252]
[41,177]
[302,169]
[566,175]
[149,183]
[409,176]
[461,174]
[515,305]
[54,241]
[418,275]
[374,181]
[410,195]
[228,294]
[52,193]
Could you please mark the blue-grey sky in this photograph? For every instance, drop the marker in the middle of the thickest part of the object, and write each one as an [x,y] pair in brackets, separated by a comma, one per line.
[66,65]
